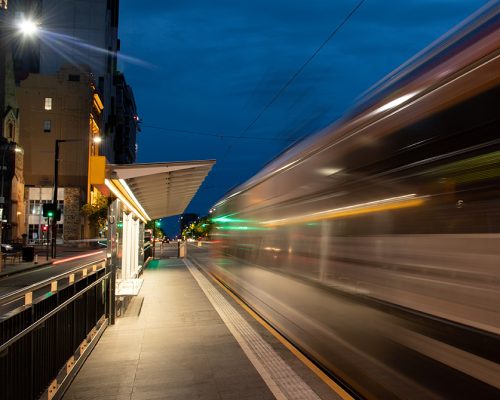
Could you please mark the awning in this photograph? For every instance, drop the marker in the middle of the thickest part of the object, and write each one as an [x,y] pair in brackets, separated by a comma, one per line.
[159,190]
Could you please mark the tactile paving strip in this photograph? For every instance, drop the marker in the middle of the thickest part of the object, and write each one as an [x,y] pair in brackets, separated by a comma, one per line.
[283,382]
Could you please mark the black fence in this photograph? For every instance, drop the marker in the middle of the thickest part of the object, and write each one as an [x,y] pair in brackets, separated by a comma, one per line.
[148,250]
[47,329]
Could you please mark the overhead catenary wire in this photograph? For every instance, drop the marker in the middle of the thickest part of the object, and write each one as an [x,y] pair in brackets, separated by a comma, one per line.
[209,134]
[302,67]
[298,72]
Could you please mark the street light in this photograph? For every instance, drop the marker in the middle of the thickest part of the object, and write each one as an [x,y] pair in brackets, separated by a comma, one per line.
[27,27]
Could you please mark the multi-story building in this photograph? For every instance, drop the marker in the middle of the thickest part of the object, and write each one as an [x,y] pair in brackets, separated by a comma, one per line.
[127,122]
[11,154]
[65,107]
[60,71]
[78,33]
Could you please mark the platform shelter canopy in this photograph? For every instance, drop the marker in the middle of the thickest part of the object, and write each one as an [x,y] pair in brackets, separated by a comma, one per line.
[161,189]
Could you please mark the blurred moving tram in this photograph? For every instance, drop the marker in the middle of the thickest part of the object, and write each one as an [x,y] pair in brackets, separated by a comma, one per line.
[374,245]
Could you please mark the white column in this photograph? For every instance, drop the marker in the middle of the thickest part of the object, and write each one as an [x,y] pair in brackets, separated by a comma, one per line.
[125,248]
[135,232]
[130,246]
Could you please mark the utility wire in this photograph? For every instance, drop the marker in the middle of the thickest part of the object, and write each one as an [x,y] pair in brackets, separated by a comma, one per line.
[302,67]
[221,136]
[299,71]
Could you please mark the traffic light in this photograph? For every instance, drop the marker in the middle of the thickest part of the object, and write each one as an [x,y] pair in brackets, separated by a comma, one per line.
[51,211]
[157,224]
[45,228]
[48,210]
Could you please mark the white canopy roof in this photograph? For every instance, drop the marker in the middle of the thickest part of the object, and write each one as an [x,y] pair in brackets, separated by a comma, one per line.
[163,189]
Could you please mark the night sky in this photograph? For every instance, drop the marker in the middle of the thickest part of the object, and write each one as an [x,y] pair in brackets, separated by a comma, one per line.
[210,67]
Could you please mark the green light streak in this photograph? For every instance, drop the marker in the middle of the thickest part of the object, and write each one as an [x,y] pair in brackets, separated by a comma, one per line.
[242,228]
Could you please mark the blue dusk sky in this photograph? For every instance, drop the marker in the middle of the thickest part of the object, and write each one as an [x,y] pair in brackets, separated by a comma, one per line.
[210,67]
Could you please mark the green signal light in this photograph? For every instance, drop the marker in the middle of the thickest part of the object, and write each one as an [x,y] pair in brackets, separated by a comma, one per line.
[50,214]
[119,224]
[157,223]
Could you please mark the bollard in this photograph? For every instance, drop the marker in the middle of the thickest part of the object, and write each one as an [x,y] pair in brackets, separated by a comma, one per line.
[35,260]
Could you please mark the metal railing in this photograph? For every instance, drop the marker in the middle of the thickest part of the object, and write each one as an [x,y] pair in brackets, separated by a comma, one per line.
[148,250]
[47,329]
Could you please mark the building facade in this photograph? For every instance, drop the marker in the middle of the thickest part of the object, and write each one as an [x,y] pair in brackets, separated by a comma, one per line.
[127,122]
[79,33]
[11,154]
[64,107]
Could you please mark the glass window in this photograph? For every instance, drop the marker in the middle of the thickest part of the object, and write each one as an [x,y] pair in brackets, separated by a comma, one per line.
[47,125]
[11,130]
[33,231]
[60,231]
[48,103]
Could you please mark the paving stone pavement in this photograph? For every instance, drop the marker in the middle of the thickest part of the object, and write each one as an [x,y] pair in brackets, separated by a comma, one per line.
[177,348]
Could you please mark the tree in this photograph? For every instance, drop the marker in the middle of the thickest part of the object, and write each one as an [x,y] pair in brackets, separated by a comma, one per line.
[97,213]
[160,233]
[199,229]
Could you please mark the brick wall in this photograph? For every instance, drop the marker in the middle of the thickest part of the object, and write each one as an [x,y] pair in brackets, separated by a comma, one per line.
[72,214]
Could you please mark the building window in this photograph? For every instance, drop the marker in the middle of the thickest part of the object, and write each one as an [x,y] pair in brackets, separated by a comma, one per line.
[36,206]
[73,78]
[11,130]
[48,103]
[47,125]
[33,232]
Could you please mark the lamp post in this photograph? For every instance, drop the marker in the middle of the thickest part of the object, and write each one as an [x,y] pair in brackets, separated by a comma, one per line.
[54,195]
[4,167]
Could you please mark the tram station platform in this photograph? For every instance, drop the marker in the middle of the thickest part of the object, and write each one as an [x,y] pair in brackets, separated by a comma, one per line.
[189,339]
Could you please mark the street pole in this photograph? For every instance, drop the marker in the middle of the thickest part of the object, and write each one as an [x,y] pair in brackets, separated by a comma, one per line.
[154,238]
[54,199]
[54,196]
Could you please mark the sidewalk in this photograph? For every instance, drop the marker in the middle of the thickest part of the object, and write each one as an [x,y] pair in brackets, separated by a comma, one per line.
[190,340]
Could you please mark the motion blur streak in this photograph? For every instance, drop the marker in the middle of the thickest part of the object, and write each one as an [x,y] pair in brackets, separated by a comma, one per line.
[357,209]
[63,260]
[397,296]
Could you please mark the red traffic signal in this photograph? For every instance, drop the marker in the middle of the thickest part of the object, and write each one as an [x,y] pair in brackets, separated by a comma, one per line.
[45,228]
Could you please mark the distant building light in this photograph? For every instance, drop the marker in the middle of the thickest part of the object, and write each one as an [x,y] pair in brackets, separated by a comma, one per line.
[48,103]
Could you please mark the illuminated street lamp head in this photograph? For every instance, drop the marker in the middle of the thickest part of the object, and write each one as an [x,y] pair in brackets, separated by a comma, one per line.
[28,27]
[97,139]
